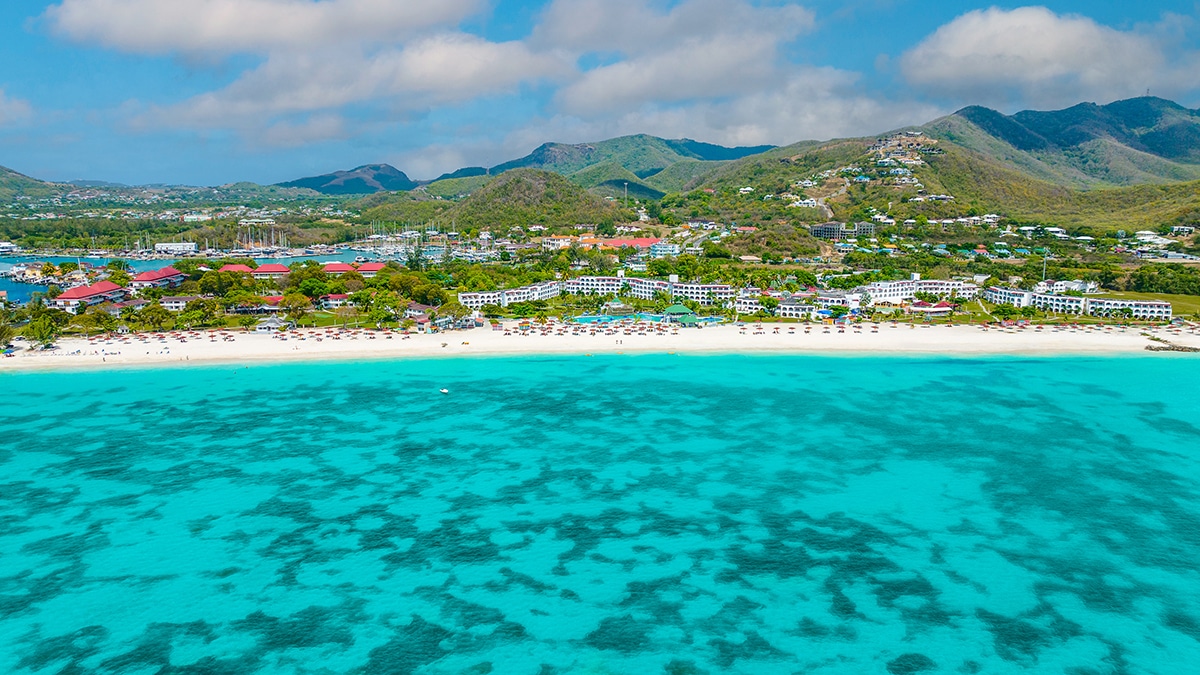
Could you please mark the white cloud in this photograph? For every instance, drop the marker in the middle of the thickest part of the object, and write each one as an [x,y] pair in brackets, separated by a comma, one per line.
[697,49]
[808,104]
[697,68]
[1031,55]
[248,26]
[13,110]
[643,26]
[431,71]
[314,129]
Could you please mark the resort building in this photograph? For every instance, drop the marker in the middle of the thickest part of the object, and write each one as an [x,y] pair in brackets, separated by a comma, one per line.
[639,243]
[794,308]
[705,294]
[897,292]
[838,231]
[645,289]
[371,269]
[836,298]
[338,268]
[167,277]
[334,300]
[1152,310]
[236,269]
[271,271]
[663,249]
[594,286]
[116,308]
[176,303]
[78,299]
[1077,286]
[503,298]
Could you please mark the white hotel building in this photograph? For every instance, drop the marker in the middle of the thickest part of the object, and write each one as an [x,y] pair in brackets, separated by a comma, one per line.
[1068,304]
[509,296]
[896,292]
[643,289]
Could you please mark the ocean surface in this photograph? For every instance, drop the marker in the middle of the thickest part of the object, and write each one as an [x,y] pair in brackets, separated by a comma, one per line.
[633,515]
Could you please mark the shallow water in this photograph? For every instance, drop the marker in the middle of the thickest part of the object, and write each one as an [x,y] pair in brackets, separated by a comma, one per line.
[650,514]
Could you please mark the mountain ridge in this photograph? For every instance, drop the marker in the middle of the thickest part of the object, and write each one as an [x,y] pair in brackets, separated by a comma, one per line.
[1129,142]
[365,179]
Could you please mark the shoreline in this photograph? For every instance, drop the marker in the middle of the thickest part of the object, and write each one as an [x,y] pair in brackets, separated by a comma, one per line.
[204,348]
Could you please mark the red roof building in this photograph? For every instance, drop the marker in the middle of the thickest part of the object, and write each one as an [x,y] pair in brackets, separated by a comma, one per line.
[74,300]
[338,268]
[334,300]
[270,271]
[638,243]
[240,269]
[164,278]
[370,269]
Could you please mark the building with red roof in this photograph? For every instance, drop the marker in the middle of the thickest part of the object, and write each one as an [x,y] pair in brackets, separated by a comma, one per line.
[75,300]
[334,300]
[271,271]
[640,243]
[370,269]
[338,268]
[167,277]
[239,269]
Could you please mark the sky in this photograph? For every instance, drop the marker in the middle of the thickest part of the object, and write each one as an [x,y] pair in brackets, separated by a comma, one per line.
[208,92]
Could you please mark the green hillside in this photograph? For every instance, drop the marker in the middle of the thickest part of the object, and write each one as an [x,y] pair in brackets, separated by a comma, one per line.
[683,175]
[13,184]
[610,179]
[1142,140]
[641,155]
[519,197]
[997,180]
[981,182]
[523,197]
[454,188]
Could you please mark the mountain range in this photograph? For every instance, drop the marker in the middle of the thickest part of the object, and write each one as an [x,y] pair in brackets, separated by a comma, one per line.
[634,162]
[1034,164]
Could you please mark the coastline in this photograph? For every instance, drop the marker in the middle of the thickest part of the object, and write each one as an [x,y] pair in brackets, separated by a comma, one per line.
[331,345]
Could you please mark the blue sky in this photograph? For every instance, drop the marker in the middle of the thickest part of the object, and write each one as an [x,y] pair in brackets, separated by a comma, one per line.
[214,91]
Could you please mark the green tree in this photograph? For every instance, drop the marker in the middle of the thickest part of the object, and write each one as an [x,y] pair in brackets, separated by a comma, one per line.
[314,288]
[347,313]
[154,316]
[42,331]
[7,333]
[188,319]
[455,310]
[296,306]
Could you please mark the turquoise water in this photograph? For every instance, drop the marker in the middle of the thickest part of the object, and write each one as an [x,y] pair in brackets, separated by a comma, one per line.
[672,515]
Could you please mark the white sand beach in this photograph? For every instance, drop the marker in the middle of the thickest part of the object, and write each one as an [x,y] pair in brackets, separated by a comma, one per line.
[231,346]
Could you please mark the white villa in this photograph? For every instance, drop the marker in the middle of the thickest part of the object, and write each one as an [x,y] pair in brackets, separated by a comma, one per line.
[1071,304]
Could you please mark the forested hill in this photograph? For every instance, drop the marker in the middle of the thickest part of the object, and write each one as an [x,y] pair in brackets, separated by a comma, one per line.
[520,197]
[362,180]
[1141,140]
[13,184]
